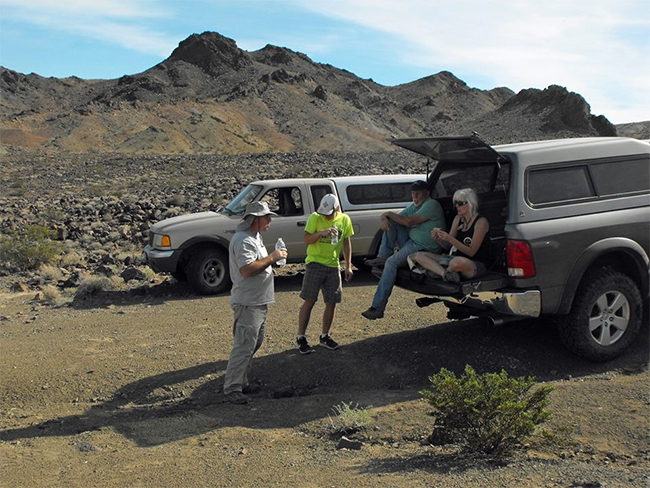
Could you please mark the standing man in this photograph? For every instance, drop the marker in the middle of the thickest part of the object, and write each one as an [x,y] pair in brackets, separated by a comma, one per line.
[252,291]
[327,232]
[410,230]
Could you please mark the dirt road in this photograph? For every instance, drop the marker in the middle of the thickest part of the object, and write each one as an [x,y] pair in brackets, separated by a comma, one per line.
[124,390]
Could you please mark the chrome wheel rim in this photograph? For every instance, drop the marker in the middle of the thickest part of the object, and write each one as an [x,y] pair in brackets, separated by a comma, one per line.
[609,318]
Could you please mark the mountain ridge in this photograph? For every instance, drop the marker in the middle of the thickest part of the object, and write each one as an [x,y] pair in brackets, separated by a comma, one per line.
[210,96]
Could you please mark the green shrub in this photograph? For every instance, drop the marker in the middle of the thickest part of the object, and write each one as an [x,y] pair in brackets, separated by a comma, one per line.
[349,418]
[487,413]
[29,249]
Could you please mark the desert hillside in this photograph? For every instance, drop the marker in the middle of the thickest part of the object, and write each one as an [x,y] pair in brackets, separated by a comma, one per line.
[210,96]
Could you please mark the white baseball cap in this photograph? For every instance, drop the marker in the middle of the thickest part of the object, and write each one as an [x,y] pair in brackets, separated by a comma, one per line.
[328,204]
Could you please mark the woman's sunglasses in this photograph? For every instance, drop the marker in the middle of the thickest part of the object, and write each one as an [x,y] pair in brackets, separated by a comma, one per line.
[459,204]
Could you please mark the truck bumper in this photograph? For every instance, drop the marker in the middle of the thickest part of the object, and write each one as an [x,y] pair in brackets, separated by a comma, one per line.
[162,261]
[487,295]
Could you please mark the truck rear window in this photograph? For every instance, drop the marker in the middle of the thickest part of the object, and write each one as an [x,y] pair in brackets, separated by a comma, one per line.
[559,185]
[379,193]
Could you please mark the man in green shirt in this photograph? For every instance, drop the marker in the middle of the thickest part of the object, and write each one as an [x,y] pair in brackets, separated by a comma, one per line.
[410,230]
[327,233]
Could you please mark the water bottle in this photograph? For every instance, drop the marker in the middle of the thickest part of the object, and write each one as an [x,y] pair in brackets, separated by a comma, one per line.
[335,236]
[281,245]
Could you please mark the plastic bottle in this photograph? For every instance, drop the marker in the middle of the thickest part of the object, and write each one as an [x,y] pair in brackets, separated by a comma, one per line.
[281,245]
[335,236]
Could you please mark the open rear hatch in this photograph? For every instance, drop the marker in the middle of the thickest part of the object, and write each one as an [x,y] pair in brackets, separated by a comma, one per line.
[455,152]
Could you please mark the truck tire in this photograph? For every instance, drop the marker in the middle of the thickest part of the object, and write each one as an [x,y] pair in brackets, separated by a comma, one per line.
[605,316]
[207,271]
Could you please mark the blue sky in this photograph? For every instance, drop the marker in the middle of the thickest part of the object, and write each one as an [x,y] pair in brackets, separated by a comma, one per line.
[598,48]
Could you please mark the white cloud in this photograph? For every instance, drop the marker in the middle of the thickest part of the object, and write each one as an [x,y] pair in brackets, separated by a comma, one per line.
[588,46]
[120,22]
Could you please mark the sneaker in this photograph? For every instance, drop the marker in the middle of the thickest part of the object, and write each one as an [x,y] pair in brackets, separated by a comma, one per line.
[251,389]
[451,276]
[236,397]
[303,346]
[328,342]
[373,314]
[375,263]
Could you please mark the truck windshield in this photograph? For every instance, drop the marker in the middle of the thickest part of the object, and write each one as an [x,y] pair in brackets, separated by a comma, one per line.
[238,205]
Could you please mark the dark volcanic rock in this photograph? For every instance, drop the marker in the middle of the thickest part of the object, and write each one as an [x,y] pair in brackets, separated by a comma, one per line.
[560,110]
[212,52]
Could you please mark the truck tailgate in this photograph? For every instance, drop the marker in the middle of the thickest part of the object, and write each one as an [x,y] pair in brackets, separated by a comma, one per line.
[437,287]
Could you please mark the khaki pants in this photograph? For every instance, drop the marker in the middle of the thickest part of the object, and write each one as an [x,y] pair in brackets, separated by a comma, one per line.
[248,334]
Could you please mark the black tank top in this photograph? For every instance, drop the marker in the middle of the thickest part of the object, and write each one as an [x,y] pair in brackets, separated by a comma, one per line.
[484,253]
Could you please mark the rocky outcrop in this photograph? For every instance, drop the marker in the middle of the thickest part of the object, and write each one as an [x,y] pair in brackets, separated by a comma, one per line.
[560,111]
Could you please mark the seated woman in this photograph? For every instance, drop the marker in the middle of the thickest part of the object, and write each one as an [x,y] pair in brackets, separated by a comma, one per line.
[468,239]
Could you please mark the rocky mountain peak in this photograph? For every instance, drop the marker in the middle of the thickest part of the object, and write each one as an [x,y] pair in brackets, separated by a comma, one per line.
[213,53]
[561,110]
[278,56]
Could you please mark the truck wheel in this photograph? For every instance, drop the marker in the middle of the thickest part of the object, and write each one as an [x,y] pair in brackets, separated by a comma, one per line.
[605,316]
[207,271]
[179,275]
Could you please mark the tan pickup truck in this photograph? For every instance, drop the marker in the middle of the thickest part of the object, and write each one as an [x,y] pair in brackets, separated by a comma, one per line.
[194,247]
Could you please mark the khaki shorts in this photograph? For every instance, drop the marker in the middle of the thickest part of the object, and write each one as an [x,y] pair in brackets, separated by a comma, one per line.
[320,277]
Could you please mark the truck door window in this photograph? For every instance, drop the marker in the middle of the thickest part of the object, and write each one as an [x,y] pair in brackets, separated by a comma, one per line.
[284,201]
[318,192]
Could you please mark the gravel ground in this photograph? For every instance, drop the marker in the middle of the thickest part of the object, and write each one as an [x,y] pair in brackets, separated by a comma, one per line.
[124,390]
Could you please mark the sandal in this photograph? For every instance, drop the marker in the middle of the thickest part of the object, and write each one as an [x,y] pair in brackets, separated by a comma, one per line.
[451,276]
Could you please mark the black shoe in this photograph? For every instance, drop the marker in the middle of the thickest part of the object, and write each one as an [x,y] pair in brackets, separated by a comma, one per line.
[375,263]
[237,397]
[373,314]
[303,346]
[328,342]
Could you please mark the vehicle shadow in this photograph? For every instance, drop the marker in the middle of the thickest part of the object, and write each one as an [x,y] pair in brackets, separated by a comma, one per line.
[377,371]
[172,290]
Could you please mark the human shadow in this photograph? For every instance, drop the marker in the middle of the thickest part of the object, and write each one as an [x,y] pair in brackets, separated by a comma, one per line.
[378,371]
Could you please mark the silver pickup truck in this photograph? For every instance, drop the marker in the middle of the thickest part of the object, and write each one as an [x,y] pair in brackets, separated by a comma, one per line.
[194,247]
[570,219]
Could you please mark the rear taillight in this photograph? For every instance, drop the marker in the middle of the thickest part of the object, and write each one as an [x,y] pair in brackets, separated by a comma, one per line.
[520,259]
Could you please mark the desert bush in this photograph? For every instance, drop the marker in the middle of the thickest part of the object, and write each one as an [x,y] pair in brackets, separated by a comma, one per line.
[488,413]
[72,258]
[92,285]
[50,273]
[348,418]
[52,295]
[28,249]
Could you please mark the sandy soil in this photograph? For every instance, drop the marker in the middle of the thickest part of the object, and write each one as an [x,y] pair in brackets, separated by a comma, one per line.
[124,390]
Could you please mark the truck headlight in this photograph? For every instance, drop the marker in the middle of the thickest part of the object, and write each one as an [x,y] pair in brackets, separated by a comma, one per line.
[162,241]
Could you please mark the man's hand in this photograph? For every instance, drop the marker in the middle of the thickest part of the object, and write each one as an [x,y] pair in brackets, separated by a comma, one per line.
[278,254]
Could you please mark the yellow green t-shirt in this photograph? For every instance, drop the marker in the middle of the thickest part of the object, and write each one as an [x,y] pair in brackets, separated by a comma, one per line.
[323,251]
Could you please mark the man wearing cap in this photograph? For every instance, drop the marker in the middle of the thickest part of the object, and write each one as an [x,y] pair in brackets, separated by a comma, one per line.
[252,291]
[409,230]
[327,233]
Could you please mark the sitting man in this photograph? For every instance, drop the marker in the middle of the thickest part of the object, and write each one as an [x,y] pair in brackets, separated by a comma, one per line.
[410,230]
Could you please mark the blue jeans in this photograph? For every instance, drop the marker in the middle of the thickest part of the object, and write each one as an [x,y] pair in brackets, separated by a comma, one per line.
[396,234]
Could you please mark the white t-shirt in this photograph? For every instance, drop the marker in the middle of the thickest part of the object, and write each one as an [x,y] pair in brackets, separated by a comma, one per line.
[246,247]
